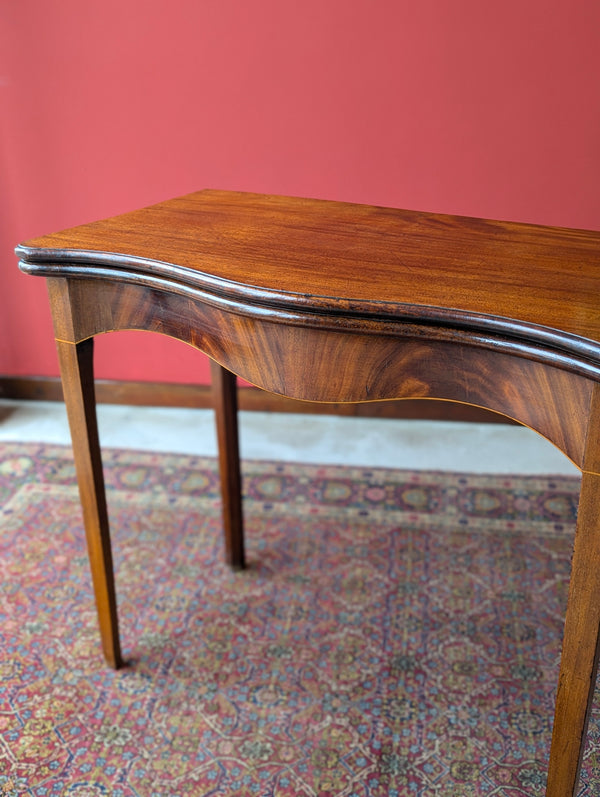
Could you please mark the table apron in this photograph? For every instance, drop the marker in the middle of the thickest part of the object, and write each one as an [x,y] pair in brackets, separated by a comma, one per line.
[340,364]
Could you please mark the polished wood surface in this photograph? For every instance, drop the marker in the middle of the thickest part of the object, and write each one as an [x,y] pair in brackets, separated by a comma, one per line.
[357,258]
[76,362]
[226,409]
[341,362]
[330,302]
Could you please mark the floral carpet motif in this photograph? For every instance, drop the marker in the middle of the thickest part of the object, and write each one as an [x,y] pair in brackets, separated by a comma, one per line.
[395,634]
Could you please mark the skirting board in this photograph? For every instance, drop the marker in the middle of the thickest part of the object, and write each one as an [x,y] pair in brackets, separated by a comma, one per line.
[165,394]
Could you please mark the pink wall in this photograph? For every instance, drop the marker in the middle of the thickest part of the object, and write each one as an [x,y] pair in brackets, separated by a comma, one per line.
[470,107]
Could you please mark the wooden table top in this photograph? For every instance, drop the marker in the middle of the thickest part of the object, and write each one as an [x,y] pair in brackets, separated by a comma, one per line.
[342,257]
[325,301]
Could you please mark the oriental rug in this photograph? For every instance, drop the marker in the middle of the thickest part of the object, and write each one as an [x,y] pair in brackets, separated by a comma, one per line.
[395,634]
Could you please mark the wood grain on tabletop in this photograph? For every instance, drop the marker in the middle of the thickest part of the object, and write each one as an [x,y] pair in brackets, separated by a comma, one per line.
[364,254]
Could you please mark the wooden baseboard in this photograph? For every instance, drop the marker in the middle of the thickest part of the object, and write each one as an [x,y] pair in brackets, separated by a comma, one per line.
[164,394]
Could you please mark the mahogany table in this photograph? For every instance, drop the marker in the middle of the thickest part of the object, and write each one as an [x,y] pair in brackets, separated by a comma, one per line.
[335,302]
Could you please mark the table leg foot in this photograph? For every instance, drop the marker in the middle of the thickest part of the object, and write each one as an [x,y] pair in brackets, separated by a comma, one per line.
[579,660]
[225,403]
[77,371]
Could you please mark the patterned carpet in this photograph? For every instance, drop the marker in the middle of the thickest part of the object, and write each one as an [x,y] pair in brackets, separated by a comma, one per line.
[396,633]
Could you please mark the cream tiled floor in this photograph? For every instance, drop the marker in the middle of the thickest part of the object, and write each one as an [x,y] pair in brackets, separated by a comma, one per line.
[426,445]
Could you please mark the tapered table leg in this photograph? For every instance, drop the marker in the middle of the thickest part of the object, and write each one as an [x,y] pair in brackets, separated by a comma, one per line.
[77,371]
[579,659]
[225,403]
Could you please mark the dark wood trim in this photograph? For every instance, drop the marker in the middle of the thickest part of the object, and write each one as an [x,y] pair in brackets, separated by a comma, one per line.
[34,388]
[166,394]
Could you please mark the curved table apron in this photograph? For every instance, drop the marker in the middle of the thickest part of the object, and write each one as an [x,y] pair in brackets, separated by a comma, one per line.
[306,346]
